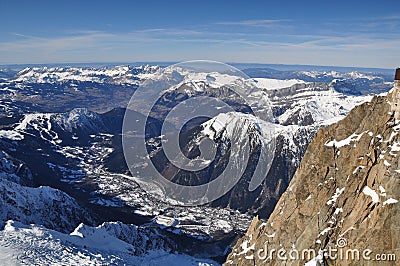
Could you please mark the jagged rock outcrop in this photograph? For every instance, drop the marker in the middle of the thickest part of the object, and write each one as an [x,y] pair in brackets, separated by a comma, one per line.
[394,97]
[343,199]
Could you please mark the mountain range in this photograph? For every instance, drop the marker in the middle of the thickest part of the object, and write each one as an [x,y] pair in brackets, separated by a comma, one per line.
[63,171]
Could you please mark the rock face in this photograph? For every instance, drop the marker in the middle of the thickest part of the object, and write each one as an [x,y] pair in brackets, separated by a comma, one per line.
[341,208]
[395,96]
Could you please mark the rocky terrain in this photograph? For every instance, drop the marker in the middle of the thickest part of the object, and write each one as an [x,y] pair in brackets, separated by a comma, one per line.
[343,198]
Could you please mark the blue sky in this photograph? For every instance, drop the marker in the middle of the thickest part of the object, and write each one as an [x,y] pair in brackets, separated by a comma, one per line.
[340,33]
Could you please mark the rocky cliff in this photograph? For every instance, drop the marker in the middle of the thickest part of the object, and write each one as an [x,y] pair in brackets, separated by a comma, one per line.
[341,208]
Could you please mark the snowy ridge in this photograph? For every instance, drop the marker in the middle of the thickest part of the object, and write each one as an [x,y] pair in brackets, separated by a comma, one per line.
[32,244]
[143,239]
[76,118]
[225,124]
[11,134]
[332,75]
[79,118]
[271,84]
[48,125]
[117,74]
[44,205]
[120,74]
[318,102]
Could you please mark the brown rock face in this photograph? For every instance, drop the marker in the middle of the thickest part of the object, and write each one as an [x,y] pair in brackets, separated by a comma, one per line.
[394,97]
[342,206]
[397,75]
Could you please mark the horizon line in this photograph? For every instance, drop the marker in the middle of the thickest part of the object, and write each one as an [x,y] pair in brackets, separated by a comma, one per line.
[137,63]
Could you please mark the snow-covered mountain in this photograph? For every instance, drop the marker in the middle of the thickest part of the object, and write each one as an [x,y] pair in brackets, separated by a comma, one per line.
[58,89]
[53,75]
[40,205]
[351,82]
[60,146]
[310,103]
[299,109]
[70,151]
[45,206]
[109,243]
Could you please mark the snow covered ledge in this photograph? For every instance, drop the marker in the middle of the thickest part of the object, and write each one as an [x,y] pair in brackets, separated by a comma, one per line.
[394,96]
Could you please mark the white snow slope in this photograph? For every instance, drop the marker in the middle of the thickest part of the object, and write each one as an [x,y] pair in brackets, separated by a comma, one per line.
[36,245]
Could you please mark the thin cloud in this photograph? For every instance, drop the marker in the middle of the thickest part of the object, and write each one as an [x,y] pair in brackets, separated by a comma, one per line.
[87,45]
[264,23]
[83,32]
[95,39]
[169,31]
[55,43]
[372,25]
[26,37]
[388,17]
